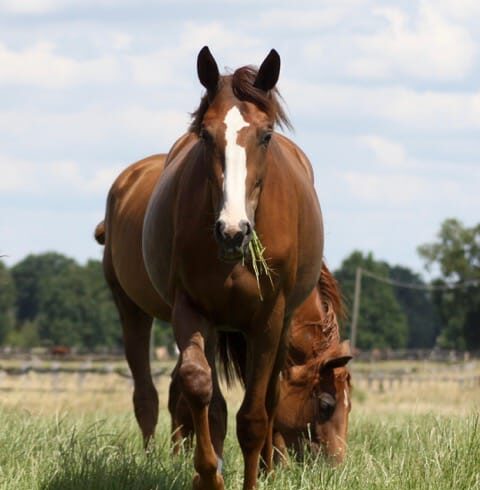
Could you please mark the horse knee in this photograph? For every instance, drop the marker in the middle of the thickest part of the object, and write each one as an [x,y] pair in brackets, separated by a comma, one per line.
[196,381]
[252,429]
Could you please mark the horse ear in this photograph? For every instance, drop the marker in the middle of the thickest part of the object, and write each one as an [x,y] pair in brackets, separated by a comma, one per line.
[268,73]
[207,69]
[339,357]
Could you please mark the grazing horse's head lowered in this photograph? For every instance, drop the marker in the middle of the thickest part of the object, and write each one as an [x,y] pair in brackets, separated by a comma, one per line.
[315,387]
[319,395]
[235,123]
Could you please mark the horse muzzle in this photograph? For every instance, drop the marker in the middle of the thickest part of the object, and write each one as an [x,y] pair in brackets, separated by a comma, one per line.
[232,240]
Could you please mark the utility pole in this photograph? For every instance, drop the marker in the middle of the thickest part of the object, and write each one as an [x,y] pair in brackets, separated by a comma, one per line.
[356,307]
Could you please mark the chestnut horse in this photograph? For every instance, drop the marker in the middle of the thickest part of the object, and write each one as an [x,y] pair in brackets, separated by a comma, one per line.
[314,402]
[315,383]
[231,174]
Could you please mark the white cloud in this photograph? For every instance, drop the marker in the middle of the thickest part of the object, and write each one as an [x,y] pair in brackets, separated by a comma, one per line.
[413,109]
[68,175]
[93,126]
[320,16]
[428,46]
[40,65]
[27,6]
[16,174]
[462,10]
[396,190]
[60,177]
[387,152]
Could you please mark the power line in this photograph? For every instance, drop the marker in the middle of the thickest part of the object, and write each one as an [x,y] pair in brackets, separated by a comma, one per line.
[426,287]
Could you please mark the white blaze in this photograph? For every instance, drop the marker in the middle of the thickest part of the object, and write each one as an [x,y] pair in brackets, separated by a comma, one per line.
[345,398]
[235,176]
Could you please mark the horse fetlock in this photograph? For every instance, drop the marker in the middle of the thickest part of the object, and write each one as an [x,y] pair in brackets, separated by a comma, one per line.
[196,381]
[212,482]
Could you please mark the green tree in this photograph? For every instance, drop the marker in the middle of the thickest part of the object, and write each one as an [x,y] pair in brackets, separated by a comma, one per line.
[101,315]
[76,308]
[456,255]
[7,302]
[422,318]
[382,323]
[30,276]
[61,302]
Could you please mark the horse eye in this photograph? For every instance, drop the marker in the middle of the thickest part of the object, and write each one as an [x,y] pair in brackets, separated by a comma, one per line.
[327,404]
[258,182]
[266,137]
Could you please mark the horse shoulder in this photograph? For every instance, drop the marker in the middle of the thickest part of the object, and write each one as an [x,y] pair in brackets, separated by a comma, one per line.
[159,227]
[300,212]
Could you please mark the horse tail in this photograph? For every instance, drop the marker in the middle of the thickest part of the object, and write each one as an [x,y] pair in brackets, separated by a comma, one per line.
[232,356]
[99,233]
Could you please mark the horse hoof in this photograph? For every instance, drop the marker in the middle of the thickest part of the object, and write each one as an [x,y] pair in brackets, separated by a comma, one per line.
[215,483]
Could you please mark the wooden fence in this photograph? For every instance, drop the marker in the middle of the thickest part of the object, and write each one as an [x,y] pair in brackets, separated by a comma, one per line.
[384,382]
[464,375]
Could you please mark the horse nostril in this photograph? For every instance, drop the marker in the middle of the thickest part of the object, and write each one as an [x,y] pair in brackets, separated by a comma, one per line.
[246,228]
[220,229]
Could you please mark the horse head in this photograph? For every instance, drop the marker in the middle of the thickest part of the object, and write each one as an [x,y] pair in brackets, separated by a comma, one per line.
[319,392]
[234,124]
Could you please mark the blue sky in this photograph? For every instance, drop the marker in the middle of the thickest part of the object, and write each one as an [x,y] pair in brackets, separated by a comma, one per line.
[384,97]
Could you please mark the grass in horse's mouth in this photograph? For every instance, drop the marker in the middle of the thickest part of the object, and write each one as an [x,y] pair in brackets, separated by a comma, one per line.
[259,263]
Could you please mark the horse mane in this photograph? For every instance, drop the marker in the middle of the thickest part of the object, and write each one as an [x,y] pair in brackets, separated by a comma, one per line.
[242,83]
[326,334]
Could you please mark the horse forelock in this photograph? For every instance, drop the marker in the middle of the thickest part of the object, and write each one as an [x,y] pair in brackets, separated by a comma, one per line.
[241,84]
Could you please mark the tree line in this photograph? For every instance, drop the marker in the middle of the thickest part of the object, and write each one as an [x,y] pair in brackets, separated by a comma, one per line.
[50,299]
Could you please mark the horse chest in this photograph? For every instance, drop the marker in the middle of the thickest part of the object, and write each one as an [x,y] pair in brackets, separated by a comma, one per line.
[230,301]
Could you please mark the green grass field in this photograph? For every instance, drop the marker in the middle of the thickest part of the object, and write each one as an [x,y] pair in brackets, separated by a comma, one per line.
[429,439]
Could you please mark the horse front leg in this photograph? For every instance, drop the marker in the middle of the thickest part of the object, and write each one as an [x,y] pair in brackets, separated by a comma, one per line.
[255,417]
[195,375]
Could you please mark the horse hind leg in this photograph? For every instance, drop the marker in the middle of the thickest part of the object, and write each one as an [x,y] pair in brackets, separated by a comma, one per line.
[137,325]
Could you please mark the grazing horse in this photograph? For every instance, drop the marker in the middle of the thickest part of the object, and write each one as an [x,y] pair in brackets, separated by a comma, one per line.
[176,247]
[315,383]
[314,401]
